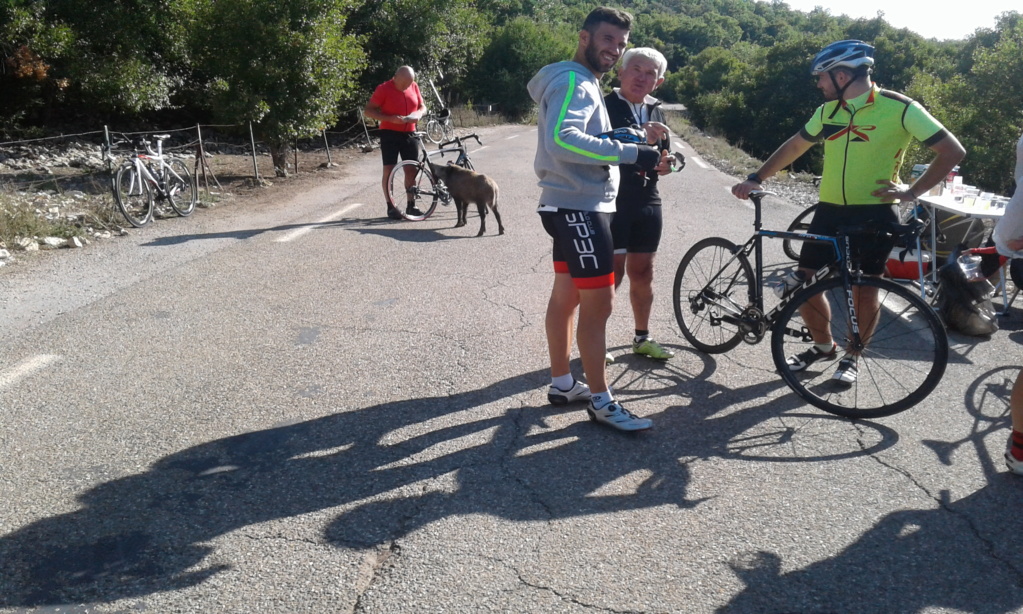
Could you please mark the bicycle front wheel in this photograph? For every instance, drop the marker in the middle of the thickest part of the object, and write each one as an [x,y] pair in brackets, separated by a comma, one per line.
[181,188]
[714,284]
[902,361]
[434,131]
[800,224]
[413,190]
[133,195]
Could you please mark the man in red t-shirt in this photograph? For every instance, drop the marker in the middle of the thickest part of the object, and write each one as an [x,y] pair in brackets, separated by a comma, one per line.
[397,104]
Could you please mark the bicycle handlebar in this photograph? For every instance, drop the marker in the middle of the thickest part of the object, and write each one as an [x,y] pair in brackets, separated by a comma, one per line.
[457,141]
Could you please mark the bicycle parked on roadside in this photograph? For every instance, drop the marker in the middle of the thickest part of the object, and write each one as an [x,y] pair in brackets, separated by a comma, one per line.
[901,350]
[145,178]
[438,126]
[412,181]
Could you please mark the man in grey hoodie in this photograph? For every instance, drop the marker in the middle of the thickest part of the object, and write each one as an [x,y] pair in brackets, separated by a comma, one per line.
[576,161]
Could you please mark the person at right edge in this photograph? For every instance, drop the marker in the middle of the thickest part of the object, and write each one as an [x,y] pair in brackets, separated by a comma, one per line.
[1008,237]
[865,131]
[576,162]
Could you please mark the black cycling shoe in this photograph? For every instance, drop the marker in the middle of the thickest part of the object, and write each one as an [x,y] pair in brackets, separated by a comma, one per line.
[413,211]
[393,213]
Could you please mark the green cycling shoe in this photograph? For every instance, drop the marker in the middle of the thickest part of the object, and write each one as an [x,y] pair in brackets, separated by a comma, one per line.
[649,347]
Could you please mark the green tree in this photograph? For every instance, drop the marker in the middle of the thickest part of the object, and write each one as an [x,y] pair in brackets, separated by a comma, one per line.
[284,66]
[97,57]
[984,108]
[440,39]
[517,51]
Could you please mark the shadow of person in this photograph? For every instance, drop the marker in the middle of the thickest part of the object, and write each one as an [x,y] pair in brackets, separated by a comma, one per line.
[959,556]
[386,470]
[484,451]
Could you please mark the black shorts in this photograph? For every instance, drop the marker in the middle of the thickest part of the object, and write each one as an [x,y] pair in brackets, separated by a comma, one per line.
[393,143]
[867,251]
[636,229]
[582,246]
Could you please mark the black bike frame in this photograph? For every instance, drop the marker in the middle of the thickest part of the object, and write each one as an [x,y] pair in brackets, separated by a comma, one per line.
[755,246]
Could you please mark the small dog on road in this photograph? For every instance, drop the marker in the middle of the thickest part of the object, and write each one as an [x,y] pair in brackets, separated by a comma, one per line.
[466,187]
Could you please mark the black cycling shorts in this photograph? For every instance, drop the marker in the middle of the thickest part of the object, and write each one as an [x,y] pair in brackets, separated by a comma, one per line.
[868,252]
[636,229]
[582,246]
[393,143]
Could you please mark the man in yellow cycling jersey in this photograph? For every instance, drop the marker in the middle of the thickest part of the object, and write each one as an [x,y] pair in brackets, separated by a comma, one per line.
[865,131]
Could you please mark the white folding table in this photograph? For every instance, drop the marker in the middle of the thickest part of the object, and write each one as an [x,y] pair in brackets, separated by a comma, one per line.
[974,212]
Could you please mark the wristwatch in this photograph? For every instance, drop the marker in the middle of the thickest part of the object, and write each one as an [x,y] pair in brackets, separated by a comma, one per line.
[754,177]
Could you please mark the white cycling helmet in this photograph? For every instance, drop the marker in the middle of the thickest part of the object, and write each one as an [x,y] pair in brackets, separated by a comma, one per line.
[849,54]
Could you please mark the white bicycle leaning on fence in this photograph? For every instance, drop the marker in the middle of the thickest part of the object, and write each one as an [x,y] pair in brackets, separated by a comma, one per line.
[143,179]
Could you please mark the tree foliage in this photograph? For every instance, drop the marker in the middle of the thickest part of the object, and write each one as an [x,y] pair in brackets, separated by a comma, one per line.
[284,66]
[518,50]
[294,66]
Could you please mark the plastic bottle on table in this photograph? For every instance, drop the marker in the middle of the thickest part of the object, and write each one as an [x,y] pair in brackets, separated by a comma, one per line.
[970,264]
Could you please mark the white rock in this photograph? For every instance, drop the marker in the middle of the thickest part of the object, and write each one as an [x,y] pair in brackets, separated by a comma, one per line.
[53,243]
[27,244]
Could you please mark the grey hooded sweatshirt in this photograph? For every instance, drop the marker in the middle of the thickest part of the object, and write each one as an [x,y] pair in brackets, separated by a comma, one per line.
[574,165]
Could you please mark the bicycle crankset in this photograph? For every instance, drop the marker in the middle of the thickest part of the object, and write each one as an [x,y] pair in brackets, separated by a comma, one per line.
[753,325]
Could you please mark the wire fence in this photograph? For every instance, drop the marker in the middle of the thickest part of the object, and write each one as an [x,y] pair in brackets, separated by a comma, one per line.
[85,160]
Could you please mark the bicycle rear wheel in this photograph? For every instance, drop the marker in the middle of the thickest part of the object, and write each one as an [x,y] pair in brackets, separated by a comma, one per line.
[434,131]
[181,188]
[714,284]
[901,364]
[133,195]
[800,224]
[414,196]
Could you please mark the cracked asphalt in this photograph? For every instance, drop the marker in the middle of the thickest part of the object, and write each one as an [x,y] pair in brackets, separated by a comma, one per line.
[291,404]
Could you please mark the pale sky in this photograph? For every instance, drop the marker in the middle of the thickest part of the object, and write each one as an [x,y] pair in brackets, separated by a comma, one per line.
[941,20]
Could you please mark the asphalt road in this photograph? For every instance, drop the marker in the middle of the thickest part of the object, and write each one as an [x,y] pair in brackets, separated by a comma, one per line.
[295,405]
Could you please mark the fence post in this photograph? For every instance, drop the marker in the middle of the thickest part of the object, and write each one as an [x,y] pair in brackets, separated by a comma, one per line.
[109,151]
[207,172]
[255,167]
[369,142]
[200,161]
[327,145]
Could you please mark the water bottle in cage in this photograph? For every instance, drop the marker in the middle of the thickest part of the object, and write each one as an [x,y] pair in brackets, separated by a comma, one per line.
[790,281]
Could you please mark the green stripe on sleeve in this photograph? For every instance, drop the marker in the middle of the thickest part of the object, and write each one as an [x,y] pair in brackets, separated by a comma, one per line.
[561,119]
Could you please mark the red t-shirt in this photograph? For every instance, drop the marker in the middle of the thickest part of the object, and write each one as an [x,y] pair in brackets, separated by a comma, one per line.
[393,101]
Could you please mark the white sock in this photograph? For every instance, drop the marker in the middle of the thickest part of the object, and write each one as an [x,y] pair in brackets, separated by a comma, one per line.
[601,399]
[825,347]
[563,382]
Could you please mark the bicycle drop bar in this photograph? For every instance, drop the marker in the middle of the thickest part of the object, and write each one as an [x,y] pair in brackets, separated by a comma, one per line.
[457,141]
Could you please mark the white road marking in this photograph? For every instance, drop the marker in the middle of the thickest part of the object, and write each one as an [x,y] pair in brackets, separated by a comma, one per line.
[298,232]
[514,136]
[699,162]
[25,368]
